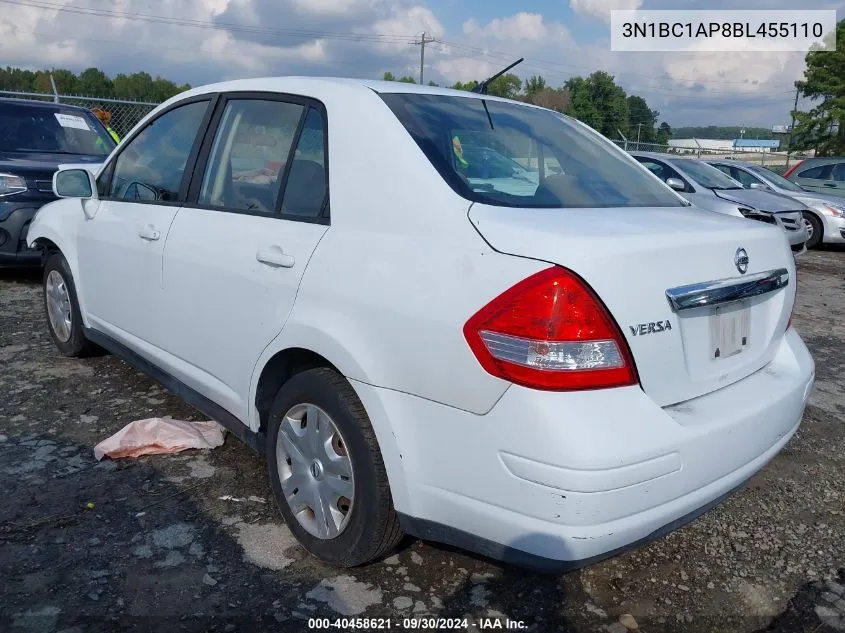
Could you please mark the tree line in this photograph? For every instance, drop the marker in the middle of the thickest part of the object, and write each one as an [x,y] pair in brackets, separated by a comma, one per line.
[822,128]
[597,100]
[91,82]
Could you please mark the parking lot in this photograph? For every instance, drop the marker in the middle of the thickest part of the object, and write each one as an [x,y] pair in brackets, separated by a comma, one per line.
[194,542]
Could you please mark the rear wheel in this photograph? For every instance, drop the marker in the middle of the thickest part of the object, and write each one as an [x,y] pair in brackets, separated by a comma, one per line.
[815,233]
[327,472]
[64,319]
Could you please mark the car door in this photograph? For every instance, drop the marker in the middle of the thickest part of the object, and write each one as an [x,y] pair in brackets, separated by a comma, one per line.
[838,188]
[237,250]
[819,178]
[120,248]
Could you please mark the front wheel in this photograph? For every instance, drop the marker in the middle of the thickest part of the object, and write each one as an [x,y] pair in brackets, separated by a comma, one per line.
[815,233]
[327,471]
[64,318]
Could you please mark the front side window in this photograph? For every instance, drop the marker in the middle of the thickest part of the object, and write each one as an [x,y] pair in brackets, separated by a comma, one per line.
[776,179]
[706,175]
[508,154]
[52,130]
[744,177]
[249,155]
[839,172]
[153,163]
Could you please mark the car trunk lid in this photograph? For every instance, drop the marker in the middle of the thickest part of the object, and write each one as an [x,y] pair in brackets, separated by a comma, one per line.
[632,257]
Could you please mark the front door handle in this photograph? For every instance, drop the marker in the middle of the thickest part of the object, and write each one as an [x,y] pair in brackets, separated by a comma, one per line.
[830,184]
[149,233]
[275,256]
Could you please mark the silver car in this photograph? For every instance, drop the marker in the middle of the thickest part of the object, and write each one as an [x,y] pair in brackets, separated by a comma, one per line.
[825,219]
[708,188]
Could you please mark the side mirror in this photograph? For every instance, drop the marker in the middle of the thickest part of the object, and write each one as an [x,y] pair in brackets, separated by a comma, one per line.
[74,183]
[758,185]
[676,183]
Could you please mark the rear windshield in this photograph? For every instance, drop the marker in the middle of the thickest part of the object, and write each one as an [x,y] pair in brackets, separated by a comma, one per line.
[507,154]
[55,130]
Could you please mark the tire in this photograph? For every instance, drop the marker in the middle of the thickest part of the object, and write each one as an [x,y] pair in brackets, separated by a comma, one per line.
[814,226]
[58,282]
[369,528]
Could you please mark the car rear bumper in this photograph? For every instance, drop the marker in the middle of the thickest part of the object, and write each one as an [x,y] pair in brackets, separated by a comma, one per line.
[13,231]
[557,480]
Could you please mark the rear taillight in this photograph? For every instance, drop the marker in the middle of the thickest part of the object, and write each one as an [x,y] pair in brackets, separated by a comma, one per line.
[550,331]
[789,171]
[794,297]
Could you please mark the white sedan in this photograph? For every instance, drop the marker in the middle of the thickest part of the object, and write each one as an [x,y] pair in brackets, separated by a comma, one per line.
[544,374]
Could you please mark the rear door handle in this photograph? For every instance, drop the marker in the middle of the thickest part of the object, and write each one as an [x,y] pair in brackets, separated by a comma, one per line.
[830,184]
[149,233]
[274,256]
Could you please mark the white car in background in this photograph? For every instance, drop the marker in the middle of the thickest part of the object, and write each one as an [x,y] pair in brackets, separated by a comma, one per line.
[545,374]
[825,217]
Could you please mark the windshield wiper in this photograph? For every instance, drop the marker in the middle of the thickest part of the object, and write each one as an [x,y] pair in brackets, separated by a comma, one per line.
[482,87]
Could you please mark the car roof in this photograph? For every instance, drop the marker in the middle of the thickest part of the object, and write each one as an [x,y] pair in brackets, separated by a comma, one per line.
[47,105]
[336,86]
[731,161]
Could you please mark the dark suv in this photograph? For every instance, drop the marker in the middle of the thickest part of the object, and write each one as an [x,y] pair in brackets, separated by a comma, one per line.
[35,138]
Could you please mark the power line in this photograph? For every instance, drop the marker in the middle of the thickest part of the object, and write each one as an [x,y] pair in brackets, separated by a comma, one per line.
[504,55]
[206,24]
[541,65]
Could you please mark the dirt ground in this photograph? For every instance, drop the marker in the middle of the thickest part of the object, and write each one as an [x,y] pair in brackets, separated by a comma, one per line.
[193,542]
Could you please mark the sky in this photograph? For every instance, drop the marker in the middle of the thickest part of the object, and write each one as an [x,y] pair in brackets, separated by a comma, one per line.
[202,41]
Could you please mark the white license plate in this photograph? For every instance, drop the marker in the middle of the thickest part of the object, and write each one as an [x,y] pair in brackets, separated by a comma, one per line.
[730,329]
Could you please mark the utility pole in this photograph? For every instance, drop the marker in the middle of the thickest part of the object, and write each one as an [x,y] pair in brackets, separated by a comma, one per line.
[639,127]
[421,43]
[792,127]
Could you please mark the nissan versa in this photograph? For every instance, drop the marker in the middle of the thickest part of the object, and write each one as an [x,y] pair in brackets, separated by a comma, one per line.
[545,364]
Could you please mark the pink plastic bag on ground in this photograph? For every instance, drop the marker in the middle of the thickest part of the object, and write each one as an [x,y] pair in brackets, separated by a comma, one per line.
[159,436]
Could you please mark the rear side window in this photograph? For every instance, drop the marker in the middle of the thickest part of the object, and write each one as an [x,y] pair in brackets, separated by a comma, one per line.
[152,165]
[821,172]
[508,154]
[249,155]
[306,190]
[839,172]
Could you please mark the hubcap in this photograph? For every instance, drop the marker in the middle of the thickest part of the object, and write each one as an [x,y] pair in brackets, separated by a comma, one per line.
[315,471]
[58,305]
[809,226]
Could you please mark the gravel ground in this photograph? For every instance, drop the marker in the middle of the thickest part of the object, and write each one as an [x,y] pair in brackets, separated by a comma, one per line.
[151,544]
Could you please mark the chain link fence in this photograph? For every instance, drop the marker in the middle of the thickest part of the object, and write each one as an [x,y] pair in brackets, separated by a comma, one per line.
[124,114]
[776,161]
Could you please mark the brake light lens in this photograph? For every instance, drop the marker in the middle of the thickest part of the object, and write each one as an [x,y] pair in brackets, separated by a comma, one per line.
[551,332]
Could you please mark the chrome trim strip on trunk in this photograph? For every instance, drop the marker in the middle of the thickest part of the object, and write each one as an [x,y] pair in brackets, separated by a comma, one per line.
[710,293]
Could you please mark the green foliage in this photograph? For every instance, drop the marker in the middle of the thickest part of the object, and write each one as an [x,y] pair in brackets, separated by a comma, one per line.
[468,86]
[600,103]
[407,79]
[664,133]
[507,86]
[722,132]
[642,119]
[91,82]
[534,85]
[823,127]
